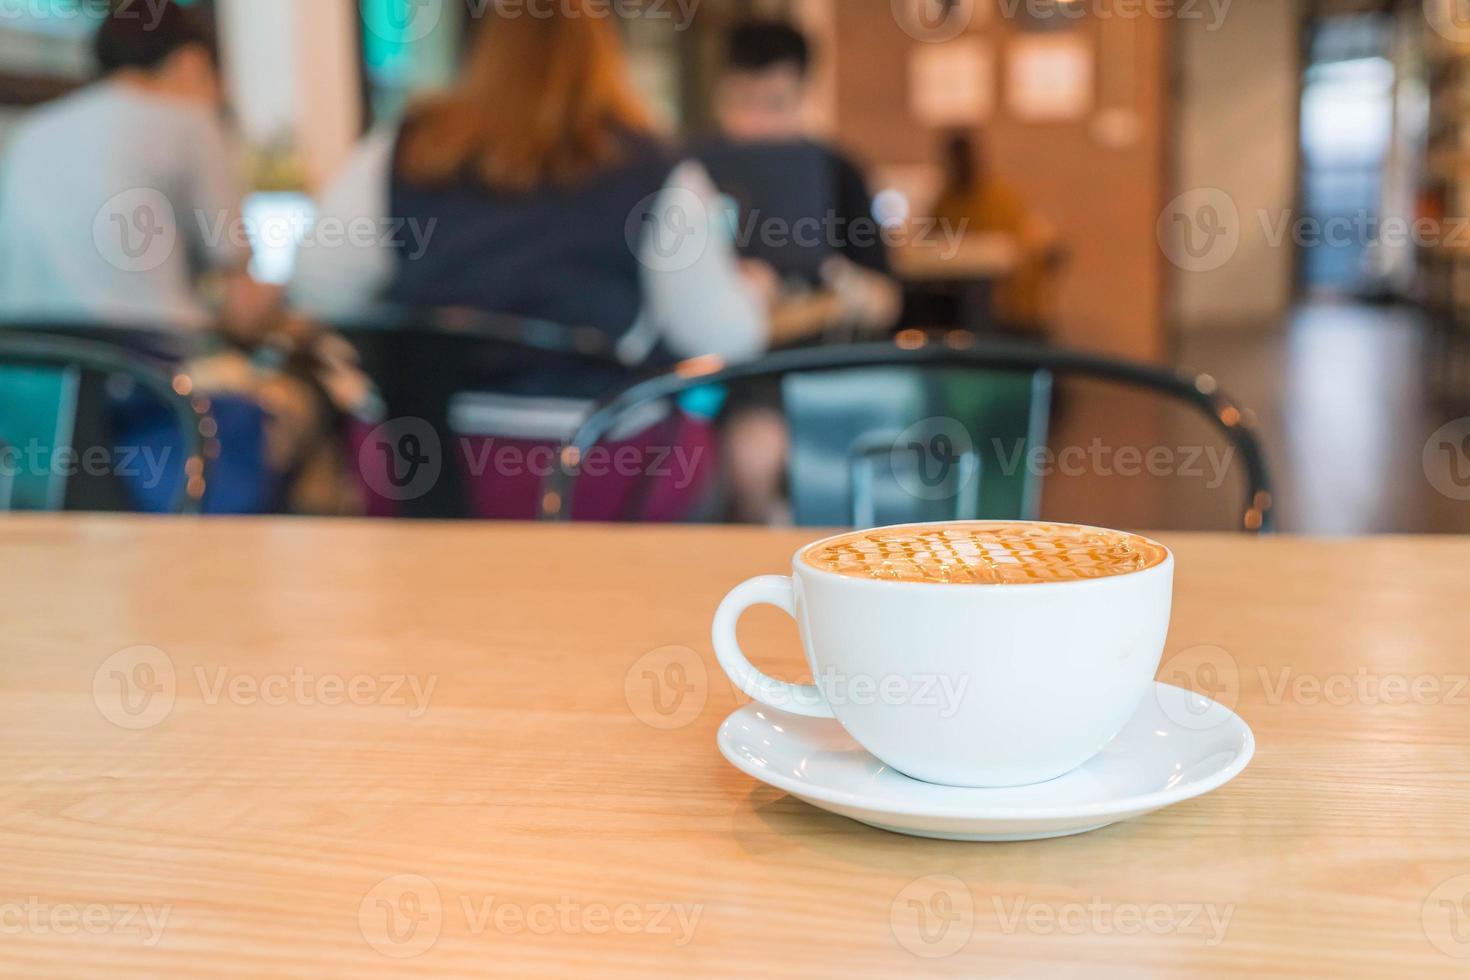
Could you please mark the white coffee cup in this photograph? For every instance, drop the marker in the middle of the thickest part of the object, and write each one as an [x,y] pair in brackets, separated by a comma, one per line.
[964,684]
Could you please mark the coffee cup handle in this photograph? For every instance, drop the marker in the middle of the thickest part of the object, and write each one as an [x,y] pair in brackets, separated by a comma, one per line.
[767,590]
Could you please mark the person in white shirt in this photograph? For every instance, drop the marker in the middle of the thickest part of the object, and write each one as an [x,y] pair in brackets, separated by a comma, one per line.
[118,200]
[536,187]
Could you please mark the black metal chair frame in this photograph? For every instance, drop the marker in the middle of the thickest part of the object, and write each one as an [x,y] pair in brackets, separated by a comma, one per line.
[174,389]
[421,363]
[913,349]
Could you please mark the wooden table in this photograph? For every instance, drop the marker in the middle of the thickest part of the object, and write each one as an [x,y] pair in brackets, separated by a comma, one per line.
[966,277]
[539,804]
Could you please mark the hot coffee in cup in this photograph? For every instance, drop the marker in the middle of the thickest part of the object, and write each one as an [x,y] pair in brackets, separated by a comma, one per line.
[982,653]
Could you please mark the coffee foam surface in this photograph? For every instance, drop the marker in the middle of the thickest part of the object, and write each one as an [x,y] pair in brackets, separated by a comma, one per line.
[986,554]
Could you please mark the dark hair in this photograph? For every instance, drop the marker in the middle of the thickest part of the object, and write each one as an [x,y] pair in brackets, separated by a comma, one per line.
[757,45]
[139,34]
[962,159]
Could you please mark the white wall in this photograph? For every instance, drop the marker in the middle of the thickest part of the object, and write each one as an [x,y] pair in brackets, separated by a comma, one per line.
[292,69]
[1236,131]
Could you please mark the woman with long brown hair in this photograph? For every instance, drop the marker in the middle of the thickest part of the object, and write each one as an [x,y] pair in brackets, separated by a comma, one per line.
[537,187]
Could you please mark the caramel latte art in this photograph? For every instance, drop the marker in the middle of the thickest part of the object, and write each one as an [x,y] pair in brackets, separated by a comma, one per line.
[981,553]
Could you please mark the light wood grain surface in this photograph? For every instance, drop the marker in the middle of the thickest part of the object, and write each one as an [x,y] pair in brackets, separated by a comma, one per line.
[493,747]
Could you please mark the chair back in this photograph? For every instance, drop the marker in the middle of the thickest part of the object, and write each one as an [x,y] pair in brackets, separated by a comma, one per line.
[926,427]
[453,373]
[876,446]
[45,380]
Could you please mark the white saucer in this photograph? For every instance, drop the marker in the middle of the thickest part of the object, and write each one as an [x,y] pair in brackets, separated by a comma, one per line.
[1177,746]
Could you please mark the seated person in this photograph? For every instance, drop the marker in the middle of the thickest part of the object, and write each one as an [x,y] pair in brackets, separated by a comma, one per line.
[838,284]
[806,210]
[104,196]
[538,189]
[120,221]
[975,200]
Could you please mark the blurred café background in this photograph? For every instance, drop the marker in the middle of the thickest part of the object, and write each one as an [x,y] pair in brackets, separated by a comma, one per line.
[1125,262]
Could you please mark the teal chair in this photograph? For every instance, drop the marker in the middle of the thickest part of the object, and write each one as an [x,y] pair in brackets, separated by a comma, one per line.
[927,427]
[883,445]
[44,383]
